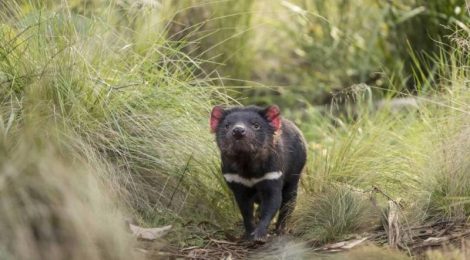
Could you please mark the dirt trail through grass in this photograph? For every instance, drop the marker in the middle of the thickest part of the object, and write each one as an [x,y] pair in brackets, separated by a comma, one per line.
[416,241]
[284,245]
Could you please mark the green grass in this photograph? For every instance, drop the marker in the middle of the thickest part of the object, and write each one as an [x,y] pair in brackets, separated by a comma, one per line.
[104,115]
[414,156]
[108,96]
[218,32]
[55,206]
[329,215]
[301,50]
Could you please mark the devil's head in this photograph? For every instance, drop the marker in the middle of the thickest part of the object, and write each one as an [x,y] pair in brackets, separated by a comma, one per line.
[245,130]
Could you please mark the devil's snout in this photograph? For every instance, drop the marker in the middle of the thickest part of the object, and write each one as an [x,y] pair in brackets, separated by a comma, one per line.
[238,132]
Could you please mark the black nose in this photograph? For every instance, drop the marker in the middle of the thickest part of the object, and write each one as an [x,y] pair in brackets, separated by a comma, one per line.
[238,132]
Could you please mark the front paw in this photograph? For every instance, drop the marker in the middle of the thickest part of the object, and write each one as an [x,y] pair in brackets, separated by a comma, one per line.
[260,235]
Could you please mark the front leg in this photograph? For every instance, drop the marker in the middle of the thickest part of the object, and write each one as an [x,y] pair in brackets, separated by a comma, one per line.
[271,196]
[245,201]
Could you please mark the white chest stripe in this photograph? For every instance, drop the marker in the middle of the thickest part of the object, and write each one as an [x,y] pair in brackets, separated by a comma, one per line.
[230,177]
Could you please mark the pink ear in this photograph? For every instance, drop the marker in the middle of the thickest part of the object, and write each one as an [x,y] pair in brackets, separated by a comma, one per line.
[216,115]
[273,114]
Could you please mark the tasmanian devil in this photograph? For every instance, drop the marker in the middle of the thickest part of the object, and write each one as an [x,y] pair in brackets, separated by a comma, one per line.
[262,158]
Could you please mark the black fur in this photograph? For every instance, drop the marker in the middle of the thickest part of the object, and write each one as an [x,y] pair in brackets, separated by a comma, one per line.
[261,150]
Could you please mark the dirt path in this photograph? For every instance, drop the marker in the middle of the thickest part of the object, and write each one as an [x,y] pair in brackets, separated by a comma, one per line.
[278,247]
[415,240]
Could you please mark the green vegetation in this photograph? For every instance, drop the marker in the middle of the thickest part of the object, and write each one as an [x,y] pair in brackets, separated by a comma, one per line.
[127,106]
[329,215]
[414,156]
[104,108]
[55,207]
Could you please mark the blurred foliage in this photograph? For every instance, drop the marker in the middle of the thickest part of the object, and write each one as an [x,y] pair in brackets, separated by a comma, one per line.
[217,32]
[311,49]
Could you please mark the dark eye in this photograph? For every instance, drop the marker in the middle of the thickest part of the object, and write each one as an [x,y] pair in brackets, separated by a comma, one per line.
[227,125]
[256,126]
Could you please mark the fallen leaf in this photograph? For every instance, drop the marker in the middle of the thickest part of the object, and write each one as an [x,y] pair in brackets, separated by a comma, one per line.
[149,233]
[344,245]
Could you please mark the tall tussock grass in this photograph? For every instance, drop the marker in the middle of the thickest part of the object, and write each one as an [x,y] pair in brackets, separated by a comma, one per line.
[55,206]
[311,49]
[416,158]
[218,32]
[335,212]
[123,102]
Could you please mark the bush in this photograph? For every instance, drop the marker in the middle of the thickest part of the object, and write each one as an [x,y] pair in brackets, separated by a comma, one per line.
[329,215]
